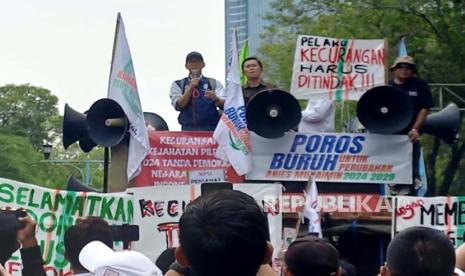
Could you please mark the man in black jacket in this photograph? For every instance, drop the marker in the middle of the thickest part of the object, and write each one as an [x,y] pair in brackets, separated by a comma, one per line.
[404,71]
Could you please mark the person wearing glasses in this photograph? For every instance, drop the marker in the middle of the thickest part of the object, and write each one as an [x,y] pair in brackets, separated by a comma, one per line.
[404,71]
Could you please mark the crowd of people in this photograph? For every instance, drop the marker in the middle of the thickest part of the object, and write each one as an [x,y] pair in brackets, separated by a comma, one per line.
[223,233]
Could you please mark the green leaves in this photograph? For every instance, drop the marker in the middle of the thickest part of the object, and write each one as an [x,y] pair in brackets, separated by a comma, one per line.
[31,111]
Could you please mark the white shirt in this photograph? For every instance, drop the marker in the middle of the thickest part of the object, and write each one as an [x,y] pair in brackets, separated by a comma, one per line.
[318,116]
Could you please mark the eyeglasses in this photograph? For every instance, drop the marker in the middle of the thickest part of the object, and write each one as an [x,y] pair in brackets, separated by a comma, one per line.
[405,66]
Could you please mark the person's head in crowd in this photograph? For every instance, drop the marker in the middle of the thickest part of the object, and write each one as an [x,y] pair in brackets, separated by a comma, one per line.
[347,269]
[83,232]
[311,256]
[9,227]
[223,233]
[99,259]
[403,68]
[252,68]
[460,260]
[195,64]
[419,251]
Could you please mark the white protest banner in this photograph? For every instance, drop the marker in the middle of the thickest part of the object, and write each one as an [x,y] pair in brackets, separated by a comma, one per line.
[122,88]
[158,210]
[56,210]
[336,68]
[333,157]
[446,214]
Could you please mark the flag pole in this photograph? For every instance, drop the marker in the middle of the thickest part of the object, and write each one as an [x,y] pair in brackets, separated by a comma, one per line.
[106,154]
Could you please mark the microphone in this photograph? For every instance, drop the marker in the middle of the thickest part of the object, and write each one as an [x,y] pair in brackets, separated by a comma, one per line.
[195,73]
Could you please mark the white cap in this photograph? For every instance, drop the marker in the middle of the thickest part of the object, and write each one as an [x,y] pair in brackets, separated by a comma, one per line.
[101,260]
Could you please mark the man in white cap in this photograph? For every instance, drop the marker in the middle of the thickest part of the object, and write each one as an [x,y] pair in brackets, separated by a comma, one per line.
[404,71]
[100,260]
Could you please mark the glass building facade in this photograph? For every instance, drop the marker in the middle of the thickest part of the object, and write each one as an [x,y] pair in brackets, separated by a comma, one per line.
[247,17]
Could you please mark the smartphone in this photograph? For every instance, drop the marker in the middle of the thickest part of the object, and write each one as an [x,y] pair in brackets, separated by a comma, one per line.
[18,213]
[125,232]
[211,187]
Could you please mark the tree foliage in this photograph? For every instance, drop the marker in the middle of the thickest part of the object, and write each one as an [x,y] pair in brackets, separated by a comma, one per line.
[29,111]
[28,118]
[435,35]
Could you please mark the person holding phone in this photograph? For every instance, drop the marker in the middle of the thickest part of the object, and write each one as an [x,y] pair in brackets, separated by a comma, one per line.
[18,231]
[196,97]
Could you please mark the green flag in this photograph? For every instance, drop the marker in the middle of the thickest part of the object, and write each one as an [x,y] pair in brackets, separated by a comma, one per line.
[243,55]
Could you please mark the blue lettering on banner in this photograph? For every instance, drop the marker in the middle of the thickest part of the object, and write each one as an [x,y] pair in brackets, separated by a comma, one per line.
[328,143]
[296,161]
[237,117]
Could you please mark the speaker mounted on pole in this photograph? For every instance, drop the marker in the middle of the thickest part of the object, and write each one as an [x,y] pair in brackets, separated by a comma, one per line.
[76,186]
[107,123]
[75,129]
[444,124]
[156,121]
[271,113]
[385,110]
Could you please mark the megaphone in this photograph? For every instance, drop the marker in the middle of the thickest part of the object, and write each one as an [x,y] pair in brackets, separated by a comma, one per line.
[76,186]
[271,113]
[107,123]
[155,121]
[385,110]
[444,124]
[75,129]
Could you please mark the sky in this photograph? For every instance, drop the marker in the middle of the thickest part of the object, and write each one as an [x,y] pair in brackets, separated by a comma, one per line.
[66,46]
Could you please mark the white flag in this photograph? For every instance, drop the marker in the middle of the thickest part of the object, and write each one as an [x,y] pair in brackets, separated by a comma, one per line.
[122,88]
[231,133]
[312,210]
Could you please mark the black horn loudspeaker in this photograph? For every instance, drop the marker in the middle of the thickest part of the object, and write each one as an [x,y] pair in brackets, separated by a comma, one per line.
[107,122]
[75,129]
[155,121]
[444,124]
[385,110]
[76,186]
[271,113]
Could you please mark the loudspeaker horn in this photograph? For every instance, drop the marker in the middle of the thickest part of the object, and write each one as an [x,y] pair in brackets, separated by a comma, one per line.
[385,110]
[75,129]
[76,186]
[107,122]
[271,113]
[156,121]
[444,124]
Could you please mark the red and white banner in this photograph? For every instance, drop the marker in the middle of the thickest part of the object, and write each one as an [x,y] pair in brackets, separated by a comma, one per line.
[173,154]
[333,157]
[157,211]
[336,68]
[442,213]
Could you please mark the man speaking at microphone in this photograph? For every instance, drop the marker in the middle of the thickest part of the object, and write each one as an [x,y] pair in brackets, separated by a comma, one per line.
[197,97]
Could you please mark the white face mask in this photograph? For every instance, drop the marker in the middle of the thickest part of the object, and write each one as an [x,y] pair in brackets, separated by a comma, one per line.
[195,73]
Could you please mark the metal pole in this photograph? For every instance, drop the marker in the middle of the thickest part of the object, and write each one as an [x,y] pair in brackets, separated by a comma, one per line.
[106,161]
[87,173]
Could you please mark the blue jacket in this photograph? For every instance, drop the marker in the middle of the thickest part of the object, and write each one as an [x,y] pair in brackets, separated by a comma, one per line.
[200,111]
